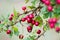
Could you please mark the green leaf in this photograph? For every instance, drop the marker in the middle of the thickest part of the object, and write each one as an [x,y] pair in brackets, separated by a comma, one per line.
[1,29]
[15,14]
[47,14]
[58,23]
[26,38]
[34,2]
[31,7]
[57,10]
[16,32]
[26,1]
[29,38]
[53,2]
[1,25]
[46,27]
[39,19]
[43,10]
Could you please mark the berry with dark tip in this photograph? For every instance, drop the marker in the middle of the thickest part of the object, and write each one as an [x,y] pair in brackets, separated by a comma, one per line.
[8,32]
[39,31]
[29,29]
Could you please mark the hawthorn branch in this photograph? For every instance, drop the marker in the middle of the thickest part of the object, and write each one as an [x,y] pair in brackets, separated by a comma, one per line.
[34,10]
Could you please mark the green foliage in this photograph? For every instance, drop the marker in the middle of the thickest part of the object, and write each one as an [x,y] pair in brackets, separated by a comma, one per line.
[47,14]
[16,32]
[46,27]
[26,1]
[28,38]
[34,2]
[53,2]
[11,34]
[15,14]
[57,10]
[31,7]
[1,25]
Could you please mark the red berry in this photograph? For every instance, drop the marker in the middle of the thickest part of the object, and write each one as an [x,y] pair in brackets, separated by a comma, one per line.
[31,16]
[24,8]
[10,18]
[54,20]
[36,23]
[58,1]
[8,31]
[0,21]
[28,20]
[33,22]
[23,19]
[50,20]
[52,25]
[39,31]
[12,14]
[57,29]
[27,17]
[21,36]
[29,29]
[50,8]
[43,1]
[47,2]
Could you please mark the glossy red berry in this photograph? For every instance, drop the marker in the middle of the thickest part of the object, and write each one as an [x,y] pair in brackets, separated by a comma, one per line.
[54,20]
[23,19]
[50,8]
[29,29]
[39,31]
[47,2]
[36,23]
[43,1]
[31,16]
[21,36]
[58,1]
[33,22]
[24,8]
[27,17]
[57,29]
[28,20]
[10,18]
[50,20]
[0,21]
[8,31]
[52,25]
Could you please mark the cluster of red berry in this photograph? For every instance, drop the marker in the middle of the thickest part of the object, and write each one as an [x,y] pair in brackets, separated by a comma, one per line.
[48,3]
[29,19]
[52,22]
[11,17]
[20,36]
